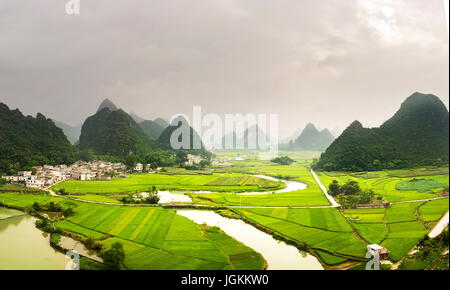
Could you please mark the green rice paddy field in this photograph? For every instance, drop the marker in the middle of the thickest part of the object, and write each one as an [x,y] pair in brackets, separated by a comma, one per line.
[153,237]
[399,227]
[157,238]
[396,185]
[234,182]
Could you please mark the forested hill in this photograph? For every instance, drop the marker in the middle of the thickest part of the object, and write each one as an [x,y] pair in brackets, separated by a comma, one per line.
[114,132]
[416,135]
[26,141]
[151,128]
[177,123]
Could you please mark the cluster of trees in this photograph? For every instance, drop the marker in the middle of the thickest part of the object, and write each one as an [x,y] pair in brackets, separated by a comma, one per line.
[152,198]
[350,193]
[52,207]
[283,160]
[93,244]
[427,246]
[114,256]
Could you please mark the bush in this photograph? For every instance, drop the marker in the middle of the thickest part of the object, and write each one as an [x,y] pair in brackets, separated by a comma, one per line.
[283,160]
[93,244]
[68,212]
[114,256]
[45,225]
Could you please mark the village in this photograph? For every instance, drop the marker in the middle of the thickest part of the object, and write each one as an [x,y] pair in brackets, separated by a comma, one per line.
[48,175]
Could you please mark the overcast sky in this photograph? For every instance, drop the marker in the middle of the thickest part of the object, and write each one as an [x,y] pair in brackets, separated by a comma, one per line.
[327,61]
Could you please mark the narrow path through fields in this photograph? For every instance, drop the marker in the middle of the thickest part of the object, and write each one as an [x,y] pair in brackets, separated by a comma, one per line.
[324,190]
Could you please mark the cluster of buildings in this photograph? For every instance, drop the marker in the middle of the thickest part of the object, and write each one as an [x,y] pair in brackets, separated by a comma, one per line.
[47,175]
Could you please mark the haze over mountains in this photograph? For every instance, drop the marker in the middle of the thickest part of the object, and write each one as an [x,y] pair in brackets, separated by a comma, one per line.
[310,139]
[416,135]
[72,132]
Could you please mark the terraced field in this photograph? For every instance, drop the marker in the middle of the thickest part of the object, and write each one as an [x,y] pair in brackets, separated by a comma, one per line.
[321,229]
[156,238]
[153,238]
[235,182]
[399,227]
[385,183]
[311,196]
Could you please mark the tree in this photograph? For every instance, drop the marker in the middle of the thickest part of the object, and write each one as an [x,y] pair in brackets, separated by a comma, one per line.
[351,187]
[153,197]
[68,212]
[334,188]
[114,256]
[204,163]
[181,157]
[93,244]
[36,207]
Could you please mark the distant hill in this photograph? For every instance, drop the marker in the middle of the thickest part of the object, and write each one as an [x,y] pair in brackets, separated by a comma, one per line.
[151,128]
[310,139]
[107,104]
[114,132]
[72,132]
[249,138]
[416,135]
[164,138]
[161,122]
[136,118]
[27,141]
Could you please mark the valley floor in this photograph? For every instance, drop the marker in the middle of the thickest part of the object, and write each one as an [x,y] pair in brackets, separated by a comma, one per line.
[157,238]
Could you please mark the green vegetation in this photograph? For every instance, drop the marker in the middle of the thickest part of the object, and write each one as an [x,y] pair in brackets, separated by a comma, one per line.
[417,135]
[114,132]
[283,160]
[152,237]
[384,183]
[320,229]
[350,193]
[398,228]
[419,185]
[157,238]
[28,141]
[115,256]
[141,182]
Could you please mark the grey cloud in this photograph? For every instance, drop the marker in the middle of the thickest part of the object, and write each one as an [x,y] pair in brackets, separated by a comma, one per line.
[310,61]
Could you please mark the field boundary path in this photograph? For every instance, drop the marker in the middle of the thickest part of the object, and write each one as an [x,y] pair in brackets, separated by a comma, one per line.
[324,190]
[418,200]
[439,227]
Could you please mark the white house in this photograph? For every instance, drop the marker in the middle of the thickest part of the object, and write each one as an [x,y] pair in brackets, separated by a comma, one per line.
[139,167]
[34,183]
[383,253]
[85,176]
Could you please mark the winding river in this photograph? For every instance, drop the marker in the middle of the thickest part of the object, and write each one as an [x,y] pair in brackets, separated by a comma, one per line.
[170,197]
[279,255]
